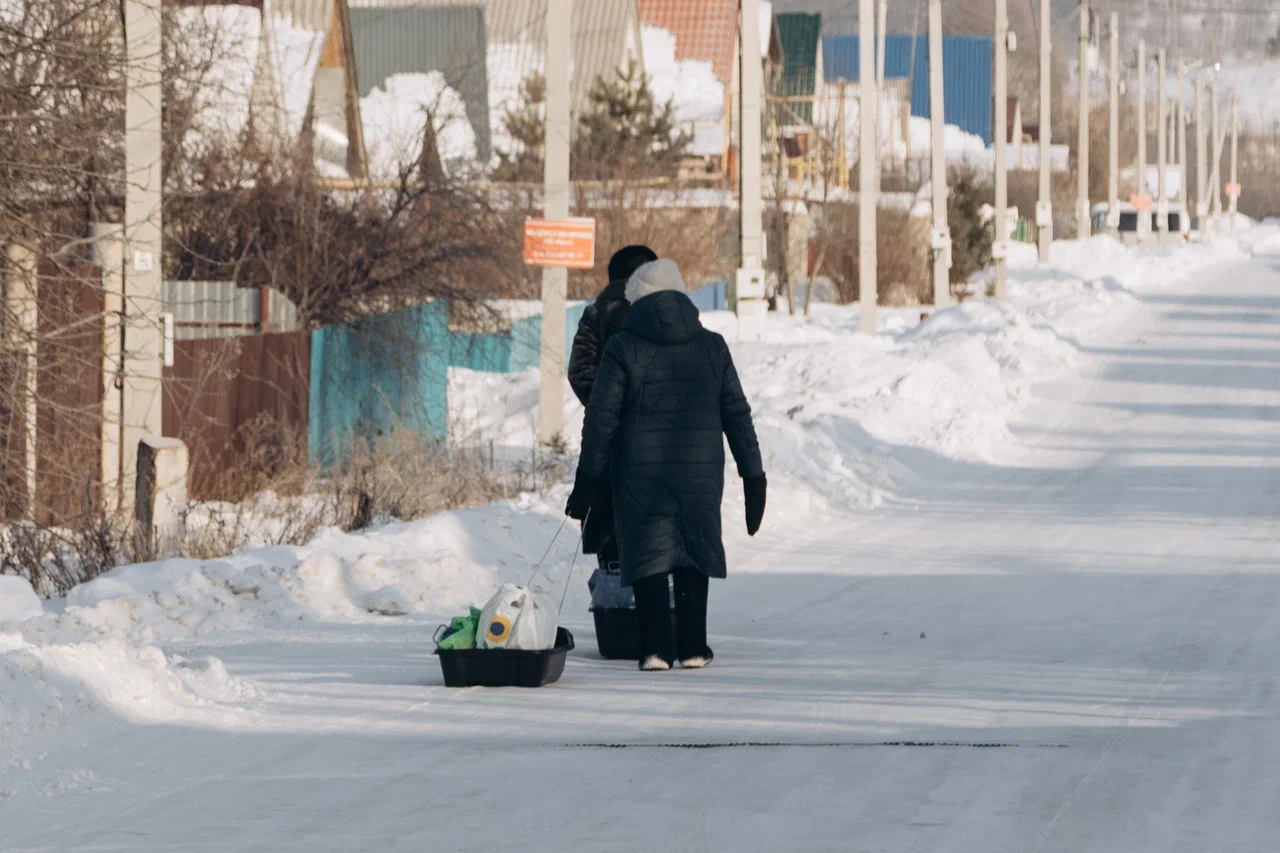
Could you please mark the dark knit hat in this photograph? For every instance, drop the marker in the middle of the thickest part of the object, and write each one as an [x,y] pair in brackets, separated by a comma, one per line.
[627,260]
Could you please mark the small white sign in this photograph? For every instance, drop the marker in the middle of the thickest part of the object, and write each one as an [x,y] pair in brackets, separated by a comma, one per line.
[143,261]
[750,283]
[1044,214]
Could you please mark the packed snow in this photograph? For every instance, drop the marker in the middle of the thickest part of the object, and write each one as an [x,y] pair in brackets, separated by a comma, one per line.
[395,117]
[1046,526]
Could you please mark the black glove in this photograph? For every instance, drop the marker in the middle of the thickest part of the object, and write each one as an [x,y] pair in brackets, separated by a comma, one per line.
[754,488]
[583,495]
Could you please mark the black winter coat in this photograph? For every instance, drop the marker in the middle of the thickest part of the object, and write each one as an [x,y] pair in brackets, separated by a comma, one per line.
[665,393]
[600,321]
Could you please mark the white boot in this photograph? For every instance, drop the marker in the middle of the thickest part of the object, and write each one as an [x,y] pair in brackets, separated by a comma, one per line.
[653,663]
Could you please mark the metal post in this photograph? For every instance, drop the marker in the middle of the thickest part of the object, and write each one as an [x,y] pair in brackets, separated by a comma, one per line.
[1162,152]
[143,289]
[1235,154]
[1044,207]
[1082,128]
[1202,159]
[556,206]
[1216,168]
[938,165]
[1113,130]
[1001,248]
[749,188]
[868,286]
[881,34]
[1144,218]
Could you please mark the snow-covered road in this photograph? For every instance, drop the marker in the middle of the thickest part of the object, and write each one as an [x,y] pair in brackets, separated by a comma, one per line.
[1074,650]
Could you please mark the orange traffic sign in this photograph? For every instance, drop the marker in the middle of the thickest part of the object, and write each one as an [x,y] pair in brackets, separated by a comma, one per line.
[1140,202]
[1233,190]
[560,243]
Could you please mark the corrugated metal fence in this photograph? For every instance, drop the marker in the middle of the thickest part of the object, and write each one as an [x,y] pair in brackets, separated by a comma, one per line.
[219,309]
[966,69]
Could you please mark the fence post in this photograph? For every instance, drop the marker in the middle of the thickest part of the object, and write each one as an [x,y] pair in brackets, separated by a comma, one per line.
[108,253]
[21,306]
[161,494]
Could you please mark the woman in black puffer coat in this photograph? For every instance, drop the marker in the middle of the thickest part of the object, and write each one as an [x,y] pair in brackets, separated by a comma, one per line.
[665,393]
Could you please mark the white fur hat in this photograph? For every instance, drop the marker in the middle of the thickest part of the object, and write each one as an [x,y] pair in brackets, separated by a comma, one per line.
[653,277]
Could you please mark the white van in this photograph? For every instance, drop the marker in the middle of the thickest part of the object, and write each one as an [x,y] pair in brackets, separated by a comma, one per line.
[1179,224]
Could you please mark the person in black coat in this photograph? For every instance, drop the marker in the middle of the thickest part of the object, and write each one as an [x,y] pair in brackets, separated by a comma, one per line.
[601,320]
[665,393]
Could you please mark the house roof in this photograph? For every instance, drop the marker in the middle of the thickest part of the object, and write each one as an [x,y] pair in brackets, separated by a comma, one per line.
[422,39]
[606,35]
[704,30]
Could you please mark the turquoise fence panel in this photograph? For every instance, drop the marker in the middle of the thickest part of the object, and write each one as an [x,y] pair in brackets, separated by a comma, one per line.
[477,351]
[511,351]
[711,297]
[375,374]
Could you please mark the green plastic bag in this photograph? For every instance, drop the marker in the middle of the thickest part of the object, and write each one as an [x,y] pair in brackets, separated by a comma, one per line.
[461,632]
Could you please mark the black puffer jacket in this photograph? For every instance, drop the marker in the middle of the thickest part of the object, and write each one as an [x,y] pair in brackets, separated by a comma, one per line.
[600,321]
[666,392]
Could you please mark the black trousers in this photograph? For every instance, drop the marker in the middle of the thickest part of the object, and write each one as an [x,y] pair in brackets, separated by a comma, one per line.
[653,612]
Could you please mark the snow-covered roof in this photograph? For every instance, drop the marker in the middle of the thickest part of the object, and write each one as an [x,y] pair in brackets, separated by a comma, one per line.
[690,84]
[703,30]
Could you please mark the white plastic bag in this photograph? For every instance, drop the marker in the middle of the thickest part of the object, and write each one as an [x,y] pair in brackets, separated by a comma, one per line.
[518,618]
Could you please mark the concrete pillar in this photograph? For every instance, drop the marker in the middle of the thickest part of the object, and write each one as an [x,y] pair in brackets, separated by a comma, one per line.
[21,309]
[160,506]
[107,251]
[143,292]
[555,280]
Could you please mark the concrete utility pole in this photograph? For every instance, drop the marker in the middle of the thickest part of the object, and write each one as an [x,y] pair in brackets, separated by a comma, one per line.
[1082,128]
[882,23]
[1162,152]
[938,163]
[1216,169]
[1000,250]
[1044,207]
[749,188]
[1202,159]
[868,190]
[1113,130]
[143,286]
[556,206]
[108,253]
[1183,197]
[1235,153]
[1144,217]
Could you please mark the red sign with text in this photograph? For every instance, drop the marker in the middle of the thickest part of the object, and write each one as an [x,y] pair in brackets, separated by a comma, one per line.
[560,243]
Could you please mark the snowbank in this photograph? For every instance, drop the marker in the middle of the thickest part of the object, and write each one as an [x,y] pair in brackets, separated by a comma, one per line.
[18,602]
[395,117]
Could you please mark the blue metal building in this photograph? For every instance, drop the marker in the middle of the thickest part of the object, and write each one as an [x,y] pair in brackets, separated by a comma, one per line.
[966,70]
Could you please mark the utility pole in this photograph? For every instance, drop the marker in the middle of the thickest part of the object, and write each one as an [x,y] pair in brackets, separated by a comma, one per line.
[1162,152]
[1235,154]
[22,306]
[143,287]
[1144,217]
[1216,169]
[1082,129]
[1044,207]
[938,163]
[1113,130]
[1183,197]
[1202,159]
[751,205]
[868,189]
[1000,250]
[881,34]
[556,206]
